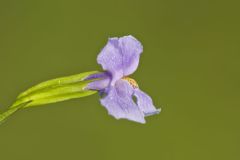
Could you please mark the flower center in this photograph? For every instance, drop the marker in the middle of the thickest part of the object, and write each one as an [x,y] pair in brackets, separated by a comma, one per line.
[131,81]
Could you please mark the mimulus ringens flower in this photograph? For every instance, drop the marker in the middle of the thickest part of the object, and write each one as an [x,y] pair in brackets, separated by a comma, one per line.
[120,58]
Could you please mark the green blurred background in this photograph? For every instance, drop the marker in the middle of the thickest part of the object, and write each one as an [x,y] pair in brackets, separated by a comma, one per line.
[190,67]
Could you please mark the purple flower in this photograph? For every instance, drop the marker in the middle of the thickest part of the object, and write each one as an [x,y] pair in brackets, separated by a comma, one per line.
[120,58]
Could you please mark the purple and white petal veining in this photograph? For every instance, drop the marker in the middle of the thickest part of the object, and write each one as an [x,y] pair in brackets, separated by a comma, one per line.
[120,56]
[120,104]
[145,103]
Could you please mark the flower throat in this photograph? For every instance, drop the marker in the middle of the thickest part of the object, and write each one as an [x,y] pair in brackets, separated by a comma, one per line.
[131,81]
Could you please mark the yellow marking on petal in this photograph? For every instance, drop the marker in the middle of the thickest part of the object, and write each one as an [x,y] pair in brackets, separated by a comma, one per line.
[131,81]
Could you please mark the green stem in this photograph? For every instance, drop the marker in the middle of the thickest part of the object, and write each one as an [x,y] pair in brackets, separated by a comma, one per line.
[10,111]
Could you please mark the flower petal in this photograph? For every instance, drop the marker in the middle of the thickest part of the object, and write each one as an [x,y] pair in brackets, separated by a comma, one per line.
[99,84]
[145,103]
[120,56]
[100,75]
[119,102]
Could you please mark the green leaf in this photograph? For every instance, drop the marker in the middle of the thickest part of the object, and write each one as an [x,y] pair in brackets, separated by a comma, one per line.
[57,82]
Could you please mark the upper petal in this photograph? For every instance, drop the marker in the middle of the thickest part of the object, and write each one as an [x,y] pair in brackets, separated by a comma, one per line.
[119,102]
[120,56]
[145,103]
